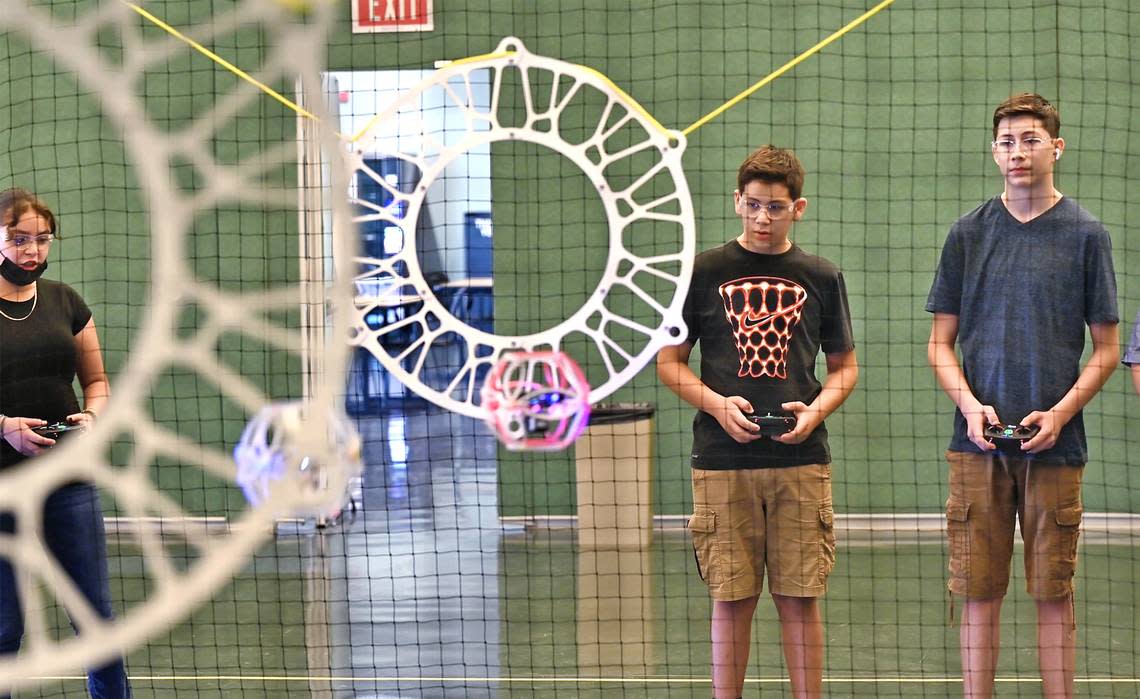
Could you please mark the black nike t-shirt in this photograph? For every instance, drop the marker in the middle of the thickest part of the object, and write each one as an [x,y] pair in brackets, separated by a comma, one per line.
[760,322]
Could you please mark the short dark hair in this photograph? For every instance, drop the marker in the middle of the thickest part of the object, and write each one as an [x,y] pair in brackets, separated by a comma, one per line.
[771,164]
[1029,104]
[16,202]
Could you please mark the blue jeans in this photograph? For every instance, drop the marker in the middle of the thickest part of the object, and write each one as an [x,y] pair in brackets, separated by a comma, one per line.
[73,532]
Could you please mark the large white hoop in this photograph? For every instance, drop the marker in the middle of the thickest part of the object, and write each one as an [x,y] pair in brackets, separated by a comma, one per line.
[544,106]
[208,552]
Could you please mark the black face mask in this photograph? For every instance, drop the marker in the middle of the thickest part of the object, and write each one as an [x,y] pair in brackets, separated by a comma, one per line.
[18,275]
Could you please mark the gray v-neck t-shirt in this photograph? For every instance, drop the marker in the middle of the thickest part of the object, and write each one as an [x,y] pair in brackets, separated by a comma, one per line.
[1024,294]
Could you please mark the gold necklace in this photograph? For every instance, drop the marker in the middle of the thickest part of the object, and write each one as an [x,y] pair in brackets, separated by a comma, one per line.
[35,299]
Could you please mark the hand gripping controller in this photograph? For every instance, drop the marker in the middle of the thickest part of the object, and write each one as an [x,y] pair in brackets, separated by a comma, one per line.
[773,424]
[56,429]
[1008,438]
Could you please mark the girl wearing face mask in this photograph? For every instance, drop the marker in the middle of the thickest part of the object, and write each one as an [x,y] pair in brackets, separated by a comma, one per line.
[47,340]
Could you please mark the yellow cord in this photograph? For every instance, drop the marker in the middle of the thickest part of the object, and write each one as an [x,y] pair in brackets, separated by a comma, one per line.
[472,59]
[221,61]
[786,67]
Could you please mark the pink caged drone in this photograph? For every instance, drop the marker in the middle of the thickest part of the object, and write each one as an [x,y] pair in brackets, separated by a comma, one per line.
[536,400]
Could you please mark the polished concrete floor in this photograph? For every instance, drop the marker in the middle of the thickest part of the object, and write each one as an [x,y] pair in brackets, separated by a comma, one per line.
[423,593]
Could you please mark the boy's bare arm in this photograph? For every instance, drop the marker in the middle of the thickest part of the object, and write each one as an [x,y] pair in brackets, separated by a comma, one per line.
[842,374]
[674,371]
[1102,362]
[948,372]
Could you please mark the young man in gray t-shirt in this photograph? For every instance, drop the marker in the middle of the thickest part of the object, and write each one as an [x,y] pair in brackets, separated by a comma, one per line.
[1019,279]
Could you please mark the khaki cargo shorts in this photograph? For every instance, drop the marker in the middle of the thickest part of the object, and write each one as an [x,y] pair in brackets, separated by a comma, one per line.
[746,521]
[988,496]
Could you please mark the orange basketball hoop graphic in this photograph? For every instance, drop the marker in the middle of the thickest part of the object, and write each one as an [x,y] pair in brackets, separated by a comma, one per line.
[763,312]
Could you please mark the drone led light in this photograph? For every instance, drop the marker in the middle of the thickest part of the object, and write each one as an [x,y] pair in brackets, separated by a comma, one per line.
[536,401]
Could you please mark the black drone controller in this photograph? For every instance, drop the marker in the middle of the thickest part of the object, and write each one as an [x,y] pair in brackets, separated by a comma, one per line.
[773,424]
[1008,438]
[56,429]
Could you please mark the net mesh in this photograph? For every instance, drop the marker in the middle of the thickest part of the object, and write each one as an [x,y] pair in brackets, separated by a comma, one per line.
[463,568]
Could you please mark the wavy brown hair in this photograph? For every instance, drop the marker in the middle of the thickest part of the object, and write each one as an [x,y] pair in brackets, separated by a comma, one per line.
[1029,104]
[16,202]
[771,164]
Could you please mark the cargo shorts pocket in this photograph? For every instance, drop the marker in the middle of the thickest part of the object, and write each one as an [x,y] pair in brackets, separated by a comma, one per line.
[958,531]
[1069,530]
[702,527]
[826,539]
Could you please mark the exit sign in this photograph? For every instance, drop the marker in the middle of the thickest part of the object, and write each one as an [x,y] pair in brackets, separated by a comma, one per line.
[391,15]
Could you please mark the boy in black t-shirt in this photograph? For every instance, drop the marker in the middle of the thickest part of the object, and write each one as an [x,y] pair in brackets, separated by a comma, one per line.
[762,309]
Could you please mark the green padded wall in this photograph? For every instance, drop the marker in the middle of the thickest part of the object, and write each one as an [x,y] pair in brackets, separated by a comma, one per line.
[891,121]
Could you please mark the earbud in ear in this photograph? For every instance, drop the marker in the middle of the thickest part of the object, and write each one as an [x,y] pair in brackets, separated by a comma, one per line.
[1056,154]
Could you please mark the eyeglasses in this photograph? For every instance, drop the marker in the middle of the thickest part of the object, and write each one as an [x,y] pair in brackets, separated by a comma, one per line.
[775,210]
[1008,145]
[24,241]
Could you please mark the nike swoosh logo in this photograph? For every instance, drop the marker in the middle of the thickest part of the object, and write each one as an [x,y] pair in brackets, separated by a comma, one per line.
[752,322]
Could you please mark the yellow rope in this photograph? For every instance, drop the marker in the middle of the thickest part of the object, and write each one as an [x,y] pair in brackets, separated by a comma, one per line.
[634,103]
[786,67]
[472,59]
[221,61]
